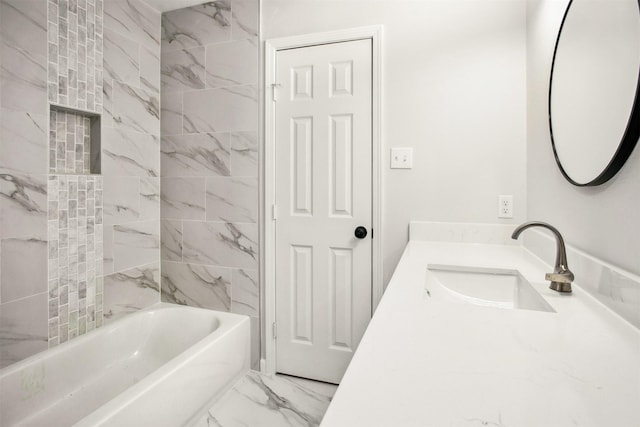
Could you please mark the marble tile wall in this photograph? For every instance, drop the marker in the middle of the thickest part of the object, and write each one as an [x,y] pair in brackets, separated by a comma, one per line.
[23,179]
[75,31]
[75,68]
[50,292]
[130,157]
[75,256]
[209,159]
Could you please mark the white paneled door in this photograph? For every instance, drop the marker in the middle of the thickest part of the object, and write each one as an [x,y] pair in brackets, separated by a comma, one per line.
[323,134]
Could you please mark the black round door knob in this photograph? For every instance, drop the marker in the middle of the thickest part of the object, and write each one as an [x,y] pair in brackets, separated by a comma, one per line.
[360,232]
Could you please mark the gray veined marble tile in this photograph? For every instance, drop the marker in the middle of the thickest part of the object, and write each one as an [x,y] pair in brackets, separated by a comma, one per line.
[233,63]
[204,154]
[171,113]
[183,69]
[23,79]
[221,110]
[23,328]
[121,58]
[134,19]
[232,199]
[196,285]
[245,19]
[24,142]
[23,24]
[171,234]
[255,343]
[121,199]
[107,249]
[245,292]
[149,198]
[183,198]
[135,109]
[219,243]
[135,244]
[24,268]
[150,69]
[24,205]
[107,103]
[131,290]
[199,25]
[269,401]
[130,153]
[244,154]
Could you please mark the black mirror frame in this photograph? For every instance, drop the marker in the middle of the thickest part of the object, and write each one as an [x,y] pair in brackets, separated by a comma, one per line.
[628,141]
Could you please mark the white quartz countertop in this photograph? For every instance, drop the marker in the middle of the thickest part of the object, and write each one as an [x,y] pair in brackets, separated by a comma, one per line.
[427,362]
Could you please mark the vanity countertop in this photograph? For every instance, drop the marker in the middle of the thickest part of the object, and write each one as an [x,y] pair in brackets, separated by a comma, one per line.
[424,362]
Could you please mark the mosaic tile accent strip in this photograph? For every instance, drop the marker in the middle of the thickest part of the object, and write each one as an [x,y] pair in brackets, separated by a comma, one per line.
[69,143]
[75,256]
[75,53]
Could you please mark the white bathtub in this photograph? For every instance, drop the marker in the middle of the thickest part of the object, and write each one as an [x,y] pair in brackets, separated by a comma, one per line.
[163,366]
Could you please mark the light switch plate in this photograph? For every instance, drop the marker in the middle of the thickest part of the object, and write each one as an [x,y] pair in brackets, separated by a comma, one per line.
[402,158]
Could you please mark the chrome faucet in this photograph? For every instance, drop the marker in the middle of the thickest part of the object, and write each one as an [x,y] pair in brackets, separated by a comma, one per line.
[561,277]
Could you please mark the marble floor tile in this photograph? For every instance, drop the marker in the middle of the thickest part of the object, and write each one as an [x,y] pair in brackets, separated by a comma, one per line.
[262,401]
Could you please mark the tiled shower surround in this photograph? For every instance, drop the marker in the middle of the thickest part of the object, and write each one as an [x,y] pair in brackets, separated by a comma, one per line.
[55,227]
[209,159]
[54,284]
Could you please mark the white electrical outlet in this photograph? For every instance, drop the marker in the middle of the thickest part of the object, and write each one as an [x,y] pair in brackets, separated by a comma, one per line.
[401,158]
[505,206]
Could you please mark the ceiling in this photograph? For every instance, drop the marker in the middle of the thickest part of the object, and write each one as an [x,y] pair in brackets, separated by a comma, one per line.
[165,5]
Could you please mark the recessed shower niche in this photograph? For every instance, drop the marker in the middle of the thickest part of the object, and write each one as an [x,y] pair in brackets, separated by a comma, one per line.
[74,141]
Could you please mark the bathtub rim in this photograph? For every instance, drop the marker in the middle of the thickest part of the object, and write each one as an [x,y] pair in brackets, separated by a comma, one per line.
[227,323]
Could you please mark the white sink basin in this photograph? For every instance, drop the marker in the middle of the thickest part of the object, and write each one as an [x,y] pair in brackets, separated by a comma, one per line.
[491,287]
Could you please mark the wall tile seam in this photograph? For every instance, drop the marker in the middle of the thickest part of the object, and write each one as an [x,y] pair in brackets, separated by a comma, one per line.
[12,301]
[221,88]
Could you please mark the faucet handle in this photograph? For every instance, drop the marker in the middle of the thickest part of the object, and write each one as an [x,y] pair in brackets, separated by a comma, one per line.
[561,277]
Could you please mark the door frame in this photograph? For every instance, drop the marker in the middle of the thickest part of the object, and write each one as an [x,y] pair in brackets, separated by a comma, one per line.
[272,46]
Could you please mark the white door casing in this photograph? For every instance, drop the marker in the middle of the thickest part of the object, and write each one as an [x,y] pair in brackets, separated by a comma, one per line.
[323,192]
[273,48]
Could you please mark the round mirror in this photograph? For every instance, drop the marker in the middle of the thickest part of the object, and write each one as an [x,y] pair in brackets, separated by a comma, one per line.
[594,93]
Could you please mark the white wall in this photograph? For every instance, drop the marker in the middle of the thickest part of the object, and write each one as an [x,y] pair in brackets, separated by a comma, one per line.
[603,221]
[454,89]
